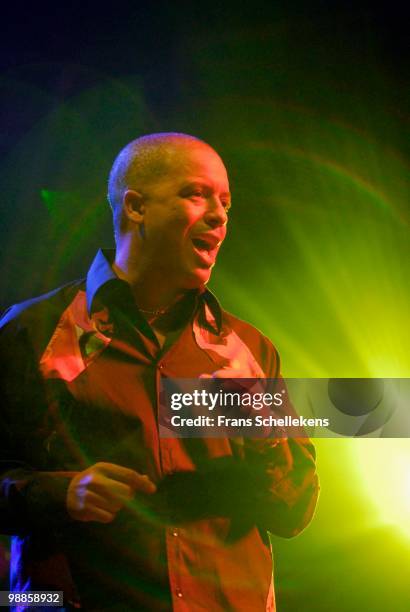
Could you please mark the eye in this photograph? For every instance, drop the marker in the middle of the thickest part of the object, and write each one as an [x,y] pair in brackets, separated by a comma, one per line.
[198,193]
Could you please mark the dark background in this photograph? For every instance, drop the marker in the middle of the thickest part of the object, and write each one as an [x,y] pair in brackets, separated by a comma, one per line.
[79,81]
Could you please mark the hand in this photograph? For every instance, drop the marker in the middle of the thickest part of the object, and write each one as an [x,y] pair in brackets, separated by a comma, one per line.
[237,381]
[229,373]
[100,491]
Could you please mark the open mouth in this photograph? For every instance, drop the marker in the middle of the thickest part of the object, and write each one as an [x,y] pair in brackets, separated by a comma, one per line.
[202,245]
[206,250]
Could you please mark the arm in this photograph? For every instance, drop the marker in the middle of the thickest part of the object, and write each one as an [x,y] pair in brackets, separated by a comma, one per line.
[277,479]
[283,485]
[289,488]
[31,496]
[270,484]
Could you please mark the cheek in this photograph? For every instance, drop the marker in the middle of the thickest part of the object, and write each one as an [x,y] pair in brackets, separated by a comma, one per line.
[182,226]
[169,230]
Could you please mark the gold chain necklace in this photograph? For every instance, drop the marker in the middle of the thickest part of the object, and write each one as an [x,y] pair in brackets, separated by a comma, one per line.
[155,313]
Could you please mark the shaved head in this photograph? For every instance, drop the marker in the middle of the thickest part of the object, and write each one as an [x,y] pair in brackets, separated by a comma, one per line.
[144,161]
[170,197]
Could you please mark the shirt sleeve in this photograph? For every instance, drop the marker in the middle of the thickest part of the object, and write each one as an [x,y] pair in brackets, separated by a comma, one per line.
[288,483]
[274,486]
[30,496]
[286,498]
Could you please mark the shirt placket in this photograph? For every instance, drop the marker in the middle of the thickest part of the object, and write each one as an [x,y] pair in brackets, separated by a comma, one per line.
[172,533]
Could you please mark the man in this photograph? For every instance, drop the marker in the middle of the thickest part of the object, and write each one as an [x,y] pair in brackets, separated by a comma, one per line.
[98,504]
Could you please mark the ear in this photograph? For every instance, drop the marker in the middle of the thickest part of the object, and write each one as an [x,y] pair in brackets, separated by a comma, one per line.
[134,206]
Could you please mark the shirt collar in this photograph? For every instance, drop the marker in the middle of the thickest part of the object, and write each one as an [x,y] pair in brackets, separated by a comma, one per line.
[214,323]
[101,275]
[102,280]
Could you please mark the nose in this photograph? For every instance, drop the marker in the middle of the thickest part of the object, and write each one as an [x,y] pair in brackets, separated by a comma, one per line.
[216,215]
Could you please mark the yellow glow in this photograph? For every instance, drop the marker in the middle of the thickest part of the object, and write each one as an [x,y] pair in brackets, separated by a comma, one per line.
[385,469]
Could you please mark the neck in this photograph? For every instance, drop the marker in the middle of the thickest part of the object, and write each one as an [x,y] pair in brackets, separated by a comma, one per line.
[151,292]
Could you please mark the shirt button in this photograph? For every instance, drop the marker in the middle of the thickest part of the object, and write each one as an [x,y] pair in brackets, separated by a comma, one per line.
[179,593]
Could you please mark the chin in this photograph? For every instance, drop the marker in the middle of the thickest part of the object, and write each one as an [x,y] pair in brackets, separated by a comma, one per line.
[197,279]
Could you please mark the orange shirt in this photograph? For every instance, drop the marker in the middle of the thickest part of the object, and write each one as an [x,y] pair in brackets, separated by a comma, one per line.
[200,542]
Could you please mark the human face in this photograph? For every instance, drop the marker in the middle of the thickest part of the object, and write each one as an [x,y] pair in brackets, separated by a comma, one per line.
[185,218]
